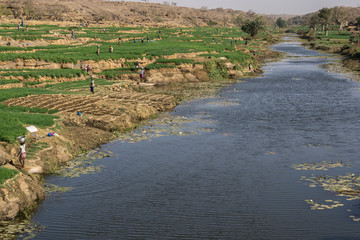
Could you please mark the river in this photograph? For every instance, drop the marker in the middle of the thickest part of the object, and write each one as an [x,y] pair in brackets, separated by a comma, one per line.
[242,165]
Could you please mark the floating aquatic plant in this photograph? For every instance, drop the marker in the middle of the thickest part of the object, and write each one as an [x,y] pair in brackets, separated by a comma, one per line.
[19,230]
[330,204]
[318,166]
[169,125]
[82,165]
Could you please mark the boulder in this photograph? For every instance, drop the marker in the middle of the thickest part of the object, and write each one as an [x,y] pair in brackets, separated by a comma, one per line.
[67,65]
[190,77]
[4,157]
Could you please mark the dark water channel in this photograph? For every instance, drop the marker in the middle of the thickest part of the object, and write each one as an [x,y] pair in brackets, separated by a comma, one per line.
[223,167]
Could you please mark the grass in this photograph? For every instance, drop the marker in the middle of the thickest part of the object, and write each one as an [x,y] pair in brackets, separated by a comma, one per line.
[13,119]
[34,73]
[6,174]
[12,123]
[163,42]
[35,147]
[116,72]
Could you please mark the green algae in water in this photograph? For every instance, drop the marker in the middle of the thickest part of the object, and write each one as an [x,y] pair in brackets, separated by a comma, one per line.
[347,186]
[52,188]
[318,166]
[19,230]
[168,125]
[330,204]
[82,164]
[224,103]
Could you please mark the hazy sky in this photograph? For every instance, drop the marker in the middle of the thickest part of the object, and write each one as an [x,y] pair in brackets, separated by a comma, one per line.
[265,6]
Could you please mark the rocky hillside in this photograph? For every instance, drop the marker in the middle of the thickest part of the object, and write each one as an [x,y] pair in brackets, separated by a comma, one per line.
[125,13]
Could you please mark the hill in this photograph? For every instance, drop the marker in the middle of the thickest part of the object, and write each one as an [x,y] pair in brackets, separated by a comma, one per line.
[342,14]
[124,13]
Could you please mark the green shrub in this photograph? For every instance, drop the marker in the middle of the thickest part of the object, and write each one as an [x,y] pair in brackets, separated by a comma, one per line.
[177,61]
[6,174]
[216,70]
[158,66]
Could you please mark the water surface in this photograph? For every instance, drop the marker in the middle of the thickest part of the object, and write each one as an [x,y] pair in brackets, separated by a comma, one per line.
[222,168]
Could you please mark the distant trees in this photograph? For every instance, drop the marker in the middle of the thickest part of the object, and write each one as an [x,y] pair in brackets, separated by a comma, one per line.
[253,27]
[325,16]
[313,22]
[340,16]
[281,23]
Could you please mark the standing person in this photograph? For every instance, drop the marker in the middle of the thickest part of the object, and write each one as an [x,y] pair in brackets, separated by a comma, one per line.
[119,41]
[98,50]
[111,49]
[136,65]
[92,84]
[134,40]
[142,73]
[22,151]
[87,68]
[72,34]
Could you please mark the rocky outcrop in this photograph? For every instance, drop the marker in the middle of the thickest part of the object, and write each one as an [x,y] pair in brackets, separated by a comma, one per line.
[20,195]
[4,157]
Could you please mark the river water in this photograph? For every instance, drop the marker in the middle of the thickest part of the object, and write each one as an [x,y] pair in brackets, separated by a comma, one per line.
[227,167]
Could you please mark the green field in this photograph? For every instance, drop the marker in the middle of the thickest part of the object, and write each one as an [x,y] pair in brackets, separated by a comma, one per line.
[155,44]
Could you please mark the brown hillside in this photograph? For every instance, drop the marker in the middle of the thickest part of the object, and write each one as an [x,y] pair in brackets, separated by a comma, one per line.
[123,13]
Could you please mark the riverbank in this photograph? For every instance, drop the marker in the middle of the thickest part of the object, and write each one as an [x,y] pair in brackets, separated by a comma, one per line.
[343,43]
[84,122]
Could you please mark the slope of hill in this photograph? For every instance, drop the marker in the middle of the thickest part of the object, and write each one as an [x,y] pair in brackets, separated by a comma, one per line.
[344,14]
[121,12]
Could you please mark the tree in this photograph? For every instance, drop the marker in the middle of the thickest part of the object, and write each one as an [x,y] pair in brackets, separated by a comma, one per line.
[239,21]
[340,16]
[281,23]
[325,16]
[253,27]
[313,22]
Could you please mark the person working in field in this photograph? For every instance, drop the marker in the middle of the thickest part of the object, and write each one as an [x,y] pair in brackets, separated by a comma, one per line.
[98,50]
[111,49]
[92,84]
[142,73]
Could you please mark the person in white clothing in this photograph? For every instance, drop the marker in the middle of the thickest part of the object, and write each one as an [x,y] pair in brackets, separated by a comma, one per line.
[22,153]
